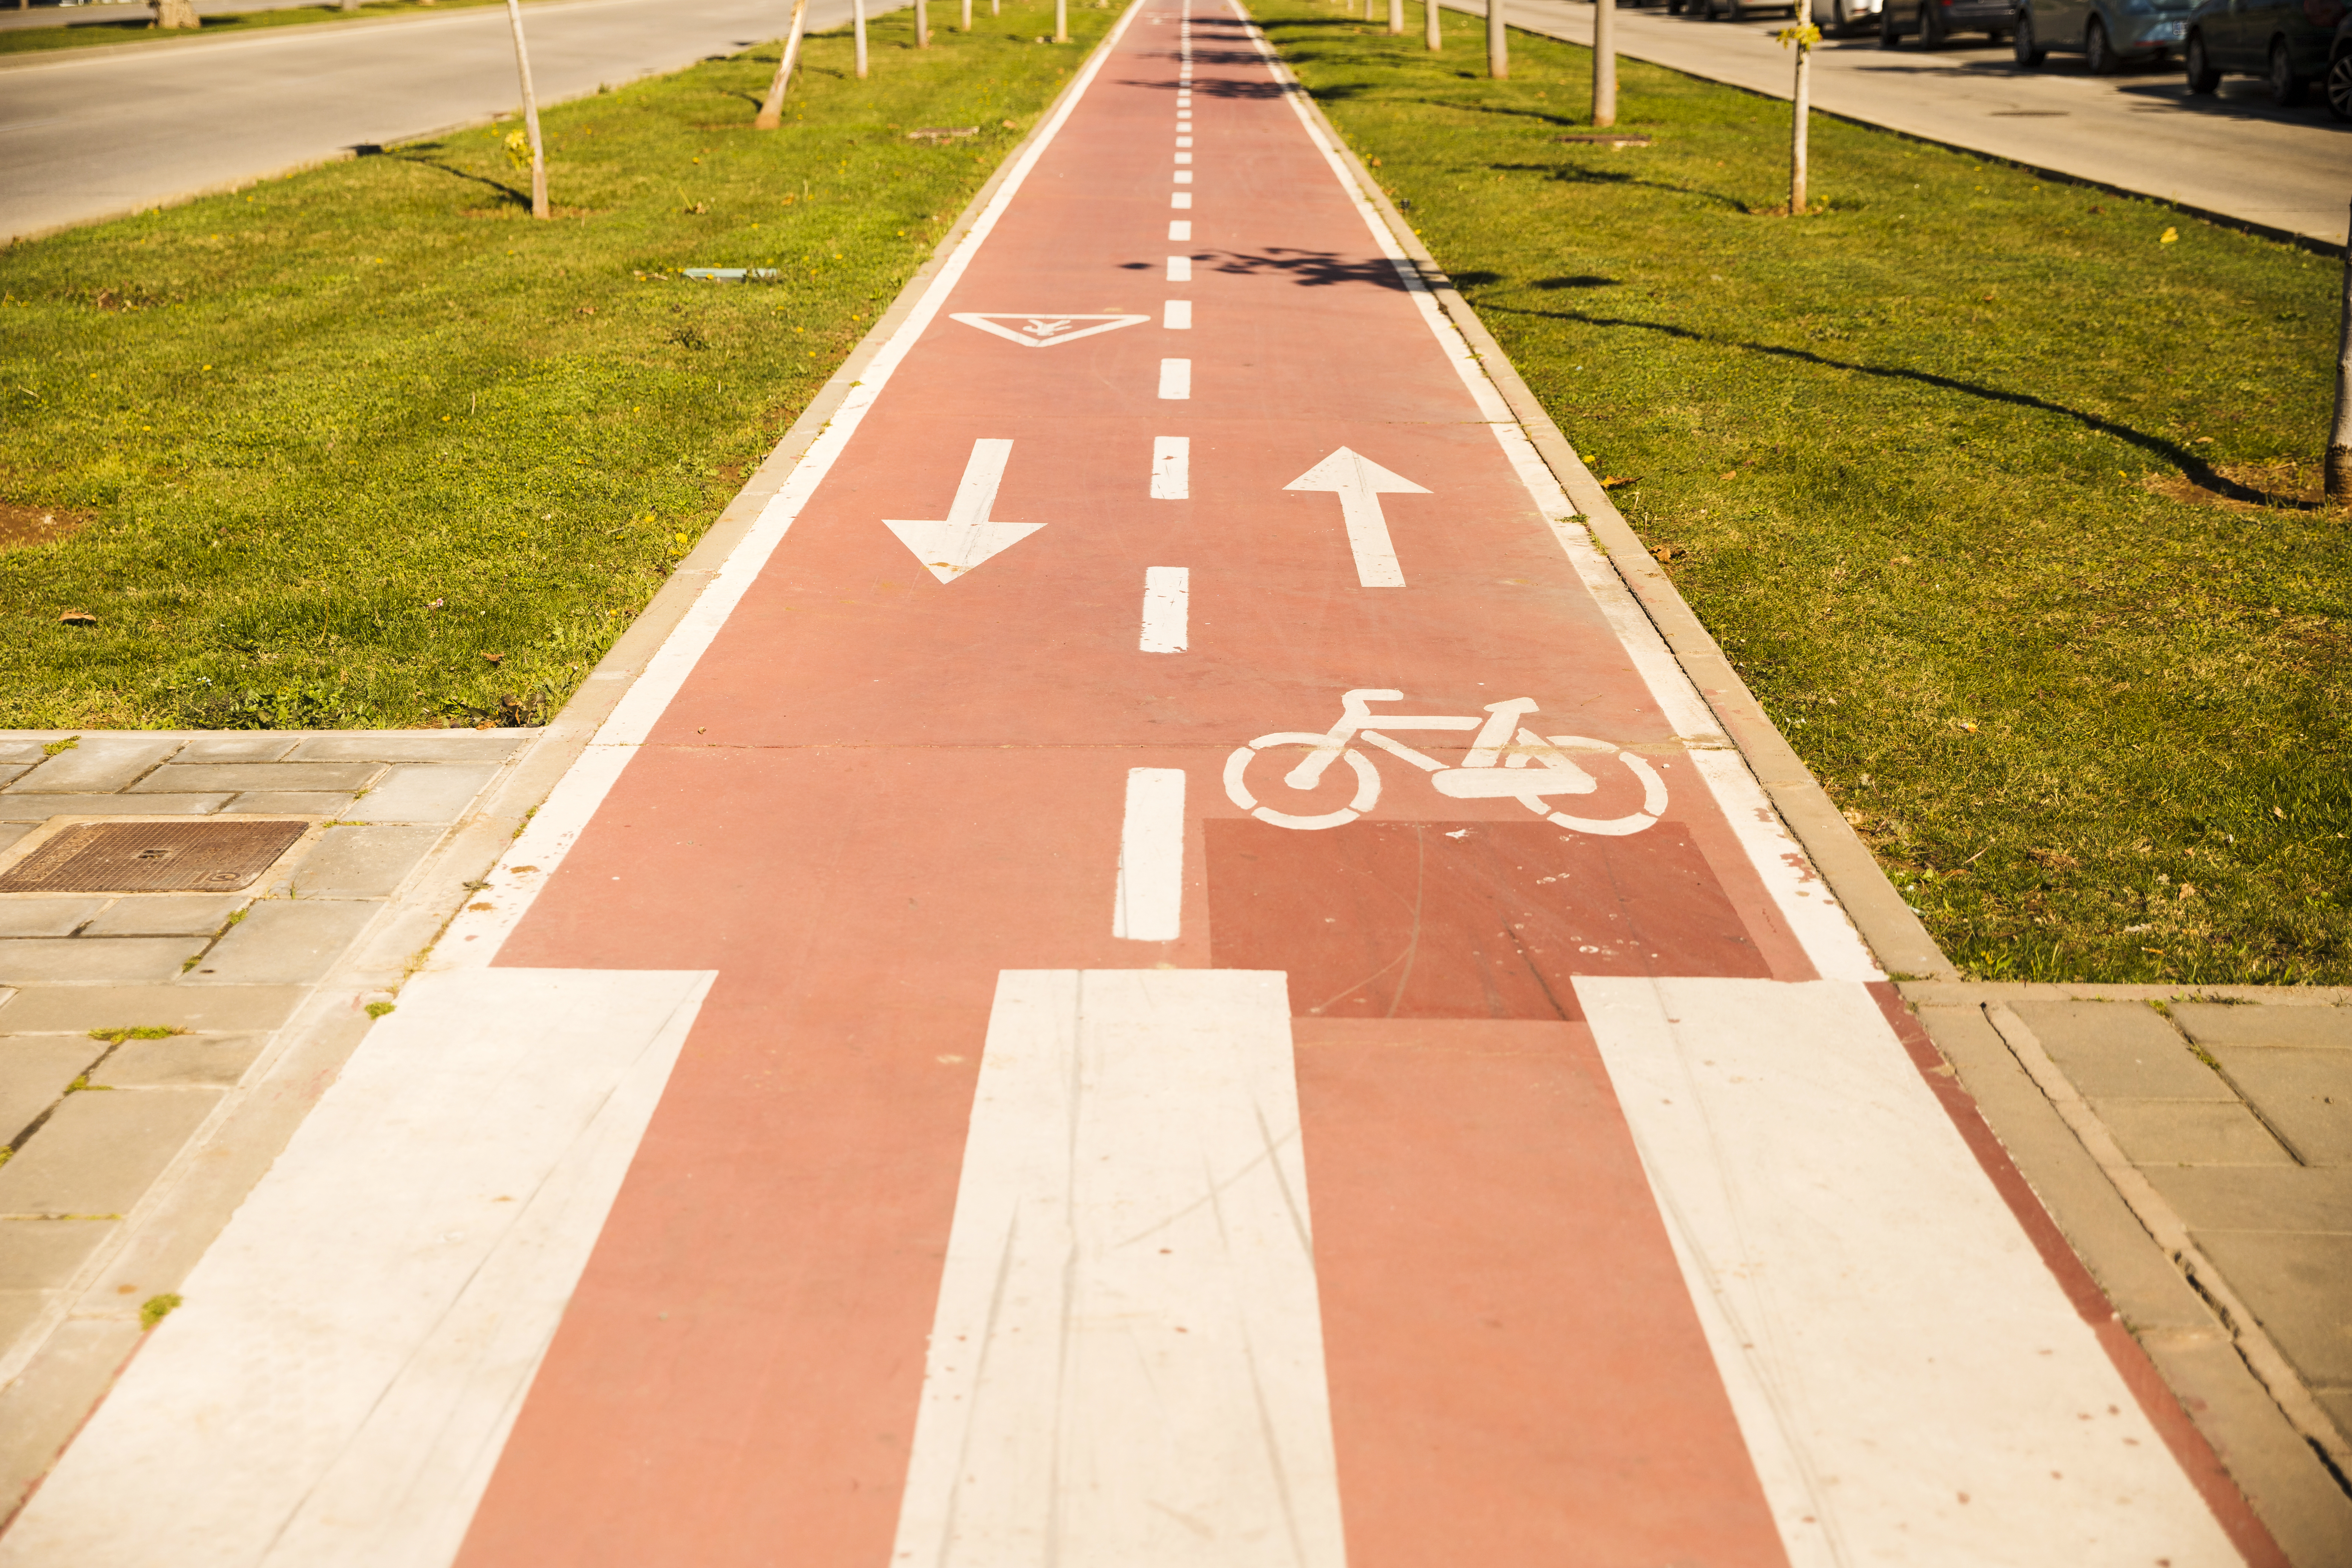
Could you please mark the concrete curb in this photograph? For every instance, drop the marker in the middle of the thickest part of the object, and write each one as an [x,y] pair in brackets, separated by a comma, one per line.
[1893,933]
[66,1371]
[2197,1345]
[2283,1478]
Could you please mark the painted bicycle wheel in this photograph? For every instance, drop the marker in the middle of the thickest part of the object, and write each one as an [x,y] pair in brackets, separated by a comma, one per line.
[1238,789]
[1654,790]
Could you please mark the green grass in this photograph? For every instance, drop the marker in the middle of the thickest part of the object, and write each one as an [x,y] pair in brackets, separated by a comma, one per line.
[97,34]
[369,446]
[1923,464]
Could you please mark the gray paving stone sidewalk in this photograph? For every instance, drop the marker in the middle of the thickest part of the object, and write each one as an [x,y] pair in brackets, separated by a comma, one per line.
[127,1019]
[2195,1147]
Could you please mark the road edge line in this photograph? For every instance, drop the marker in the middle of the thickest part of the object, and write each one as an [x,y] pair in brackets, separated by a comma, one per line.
[593,718]
[1889,926]
[356,150]
[31,59]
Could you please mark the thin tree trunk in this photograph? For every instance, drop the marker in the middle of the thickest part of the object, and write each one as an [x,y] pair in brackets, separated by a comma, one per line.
[1396,15]
[2339,437]
[923,24]
[1498,43]
[1604,63]
[1061,21]
[771,112]
[1434,34]
[530,115]
[966,16]
[1797,130]
[857,28]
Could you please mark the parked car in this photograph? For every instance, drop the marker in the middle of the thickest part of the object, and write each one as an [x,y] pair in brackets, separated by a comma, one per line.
[2285,42]
[2108,34]
[1735,10]
[1836,16]
[2339,71]
[1933,22]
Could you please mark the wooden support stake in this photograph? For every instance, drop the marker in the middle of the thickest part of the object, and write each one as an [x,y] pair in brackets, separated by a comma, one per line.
[530,115]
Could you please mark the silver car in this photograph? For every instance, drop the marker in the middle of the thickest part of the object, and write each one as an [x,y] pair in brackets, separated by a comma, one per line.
[2108,34]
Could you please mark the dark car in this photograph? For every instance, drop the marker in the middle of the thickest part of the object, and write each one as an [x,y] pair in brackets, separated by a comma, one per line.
[2108,34]
[2285,42]
[2339,71]
[1934,21]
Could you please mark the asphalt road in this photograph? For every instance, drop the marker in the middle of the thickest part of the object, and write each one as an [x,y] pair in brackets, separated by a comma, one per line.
[2230,154]
[103,13]
[115,131]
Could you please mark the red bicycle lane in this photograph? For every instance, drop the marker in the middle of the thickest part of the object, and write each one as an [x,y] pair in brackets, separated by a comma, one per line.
[896,808]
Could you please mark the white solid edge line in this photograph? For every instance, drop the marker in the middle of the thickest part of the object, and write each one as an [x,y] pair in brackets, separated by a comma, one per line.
[1149,901]
[475,937]
[1833,945]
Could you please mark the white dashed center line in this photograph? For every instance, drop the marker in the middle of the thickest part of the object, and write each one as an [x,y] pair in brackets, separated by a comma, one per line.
[1178,315]
[1176,378]
[1172,467]
[1167,591]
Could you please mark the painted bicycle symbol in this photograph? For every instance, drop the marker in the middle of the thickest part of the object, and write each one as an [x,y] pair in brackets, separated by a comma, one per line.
[1506,761]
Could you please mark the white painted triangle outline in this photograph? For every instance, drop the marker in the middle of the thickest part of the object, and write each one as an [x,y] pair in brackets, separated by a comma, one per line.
[987,321]
[949,548]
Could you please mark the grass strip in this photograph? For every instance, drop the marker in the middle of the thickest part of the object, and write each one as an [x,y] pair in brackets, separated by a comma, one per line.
[368,447]
[1999,491]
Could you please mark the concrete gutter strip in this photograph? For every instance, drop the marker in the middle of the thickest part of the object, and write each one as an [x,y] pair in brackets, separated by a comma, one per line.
[1887,925]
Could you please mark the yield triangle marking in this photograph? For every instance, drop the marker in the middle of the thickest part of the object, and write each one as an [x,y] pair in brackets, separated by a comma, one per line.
[1042,329]
[952,545]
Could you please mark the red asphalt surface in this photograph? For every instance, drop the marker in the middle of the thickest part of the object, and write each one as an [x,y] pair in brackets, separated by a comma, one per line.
[878,790]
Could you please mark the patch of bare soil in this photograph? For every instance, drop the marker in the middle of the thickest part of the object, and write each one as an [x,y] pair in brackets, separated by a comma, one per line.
[23,525]
[2299,486]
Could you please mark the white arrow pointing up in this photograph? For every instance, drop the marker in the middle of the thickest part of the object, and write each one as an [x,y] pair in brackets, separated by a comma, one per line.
[953,545]
[1360,483]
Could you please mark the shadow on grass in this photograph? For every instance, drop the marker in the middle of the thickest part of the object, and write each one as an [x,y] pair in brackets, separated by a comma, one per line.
[1573,176]
[423,156]
[2187,462]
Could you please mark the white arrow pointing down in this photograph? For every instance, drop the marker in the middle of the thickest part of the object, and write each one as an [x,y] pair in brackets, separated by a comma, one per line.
[1359,482]
[954,544]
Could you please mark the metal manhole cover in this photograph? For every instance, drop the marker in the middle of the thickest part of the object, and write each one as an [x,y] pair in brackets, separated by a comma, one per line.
[152,858]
